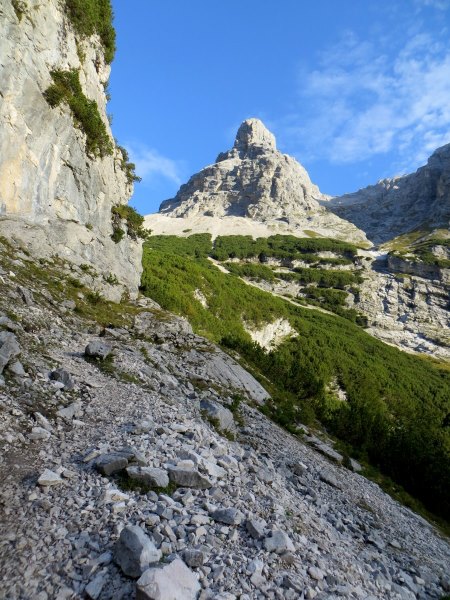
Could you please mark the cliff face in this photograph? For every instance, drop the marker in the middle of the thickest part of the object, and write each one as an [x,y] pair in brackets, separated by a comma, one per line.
[55,196]
[396,206]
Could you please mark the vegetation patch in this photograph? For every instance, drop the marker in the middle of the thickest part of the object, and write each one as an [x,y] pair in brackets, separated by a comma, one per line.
[122,213]
[94,16]
[66,88]
[397,412]
[19,8]
[128,167]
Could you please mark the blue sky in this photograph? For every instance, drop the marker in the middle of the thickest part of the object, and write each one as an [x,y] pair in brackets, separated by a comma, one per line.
[356,90]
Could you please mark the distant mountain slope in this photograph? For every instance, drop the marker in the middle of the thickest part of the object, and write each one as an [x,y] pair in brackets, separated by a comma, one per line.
[396,206]
[256,182]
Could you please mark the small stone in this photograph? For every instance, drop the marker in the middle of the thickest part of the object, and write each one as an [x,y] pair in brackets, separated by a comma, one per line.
[48,478]
[330,479]
[193,558]
[94,587]
[316,573]
[229,516]
[97,349]
[16,368]
[63,377]
[279,542]
[25,295]
[9,348]
[134,551]
[39,433]
[112,495]
[173,581]
[255,528]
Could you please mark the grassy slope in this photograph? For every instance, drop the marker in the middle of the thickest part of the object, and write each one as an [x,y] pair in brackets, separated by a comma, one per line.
[397,414]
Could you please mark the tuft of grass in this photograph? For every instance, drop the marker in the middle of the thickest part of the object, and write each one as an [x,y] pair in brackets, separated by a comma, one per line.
[66,88]
[19,8]
[127,484]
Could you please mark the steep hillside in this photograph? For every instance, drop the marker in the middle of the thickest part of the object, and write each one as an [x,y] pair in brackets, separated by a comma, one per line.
[394,409]
[130,445]
[61,172]
[253,185]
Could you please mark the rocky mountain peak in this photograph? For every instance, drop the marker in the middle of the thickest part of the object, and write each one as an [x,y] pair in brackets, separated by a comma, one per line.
[254,134]
[256,182]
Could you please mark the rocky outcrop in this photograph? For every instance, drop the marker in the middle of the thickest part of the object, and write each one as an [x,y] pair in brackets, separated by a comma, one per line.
[54,196]
[407,311]
[401,204]
[255,181]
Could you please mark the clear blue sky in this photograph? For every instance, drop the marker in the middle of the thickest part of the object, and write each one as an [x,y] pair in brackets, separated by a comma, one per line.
[356,90]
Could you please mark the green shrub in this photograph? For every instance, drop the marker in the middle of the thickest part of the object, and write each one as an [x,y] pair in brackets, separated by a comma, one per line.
[94,16]
[67,87]
[128,167]
[397,410]
[133,221]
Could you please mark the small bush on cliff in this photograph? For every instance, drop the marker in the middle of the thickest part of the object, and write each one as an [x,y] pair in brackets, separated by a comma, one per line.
[133,220]
[66,87]
[94,16]
[128,167]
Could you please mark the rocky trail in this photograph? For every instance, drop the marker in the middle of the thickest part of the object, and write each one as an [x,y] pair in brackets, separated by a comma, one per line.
[135,463]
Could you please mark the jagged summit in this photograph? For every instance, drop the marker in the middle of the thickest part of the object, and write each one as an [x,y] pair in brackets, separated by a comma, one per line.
[254,134]
[256,182]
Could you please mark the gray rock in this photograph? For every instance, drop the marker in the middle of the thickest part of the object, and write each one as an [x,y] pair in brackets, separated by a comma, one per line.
[71,411]
[63,377]
[256,528]
[49,478]
[188,478]
[173,581]
[108,464]
[153,326]
[97,349]
[16,368]
[94,587]
[134,551]
[26,295]
[299,468]
[9,348]
[316,573]
[39,433]
[149,476]
[69,304]
[279,542]
[219,413]
[329,478]
[229,516]
[193,558]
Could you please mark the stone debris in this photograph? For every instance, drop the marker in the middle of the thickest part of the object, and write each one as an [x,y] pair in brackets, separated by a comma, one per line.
[118,488]
[63,377]
[9,348]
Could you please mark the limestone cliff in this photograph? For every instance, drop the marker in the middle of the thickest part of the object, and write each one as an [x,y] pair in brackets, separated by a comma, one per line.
[255,186]
[55,195]
[399,205]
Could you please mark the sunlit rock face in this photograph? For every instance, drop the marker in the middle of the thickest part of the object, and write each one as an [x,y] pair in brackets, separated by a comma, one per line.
[395,206]
[50,188]
[255,180]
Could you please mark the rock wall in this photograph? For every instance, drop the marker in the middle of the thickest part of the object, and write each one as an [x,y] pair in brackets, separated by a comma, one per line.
[54,198]
[399,205]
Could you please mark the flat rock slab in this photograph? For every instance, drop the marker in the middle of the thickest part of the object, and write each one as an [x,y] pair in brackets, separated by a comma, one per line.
[188,478]
[219,413]
[174,581]
[150,476]
[49,478]
[108,464]
[229,516]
